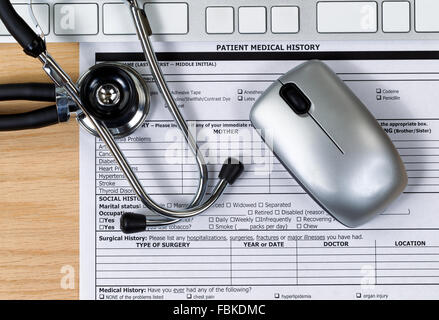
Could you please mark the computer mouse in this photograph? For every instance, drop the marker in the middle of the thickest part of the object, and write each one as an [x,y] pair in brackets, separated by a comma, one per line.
[330,143]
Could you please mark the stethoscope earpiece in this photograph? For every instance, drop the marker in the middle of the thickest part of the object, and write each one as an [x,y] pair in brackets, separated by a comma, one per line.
[116,95]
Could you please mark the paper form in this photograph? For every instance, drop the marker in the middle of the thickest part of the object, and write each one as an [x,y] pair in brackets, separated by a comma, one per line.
[265,238]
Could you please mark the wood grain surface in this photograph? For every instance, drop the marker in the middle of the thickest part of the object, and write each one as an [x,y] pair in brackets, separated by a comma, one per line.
[39,190]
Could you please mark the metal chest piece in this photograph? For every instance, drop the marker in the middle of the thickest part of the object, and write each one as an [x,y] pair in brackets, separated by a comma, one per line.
[116,95]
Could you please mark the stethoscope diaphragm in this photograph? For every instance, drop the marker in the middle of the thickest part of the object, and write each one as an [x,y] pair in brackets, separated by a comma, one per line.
[115,94]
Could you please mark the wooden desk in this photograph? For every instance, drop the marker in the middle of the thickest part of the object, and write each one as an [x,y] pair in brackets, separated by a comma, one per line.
[39,190]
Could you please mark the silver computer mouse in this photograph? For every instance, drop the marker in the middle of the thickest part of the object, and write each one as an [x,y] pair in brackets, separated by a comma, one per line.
[330,143]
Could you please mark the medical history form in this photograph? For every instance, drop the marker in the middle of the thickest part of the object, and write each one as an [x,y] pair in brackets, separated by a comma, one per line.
[265,238]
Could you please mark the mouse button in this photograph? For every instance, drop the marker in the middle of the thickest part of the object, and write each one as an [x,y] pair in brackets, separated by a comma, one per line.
[352,128]
[340,113]
[295,98]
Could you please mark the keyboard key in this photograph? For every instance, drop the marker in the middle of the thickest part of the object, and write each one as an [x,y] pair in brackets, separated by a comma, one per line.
[41,12]
[220,20]
[117,19]
[252,20]
[285,19]
[347,17]
[426,15]
[76,19]
[168,18]
[396,16]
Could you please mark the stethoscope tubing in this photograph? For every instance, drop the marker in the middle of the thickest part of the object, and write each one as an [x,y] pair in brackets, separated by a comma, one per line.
[35,46]
[28,91]
[36,119]
[31,92]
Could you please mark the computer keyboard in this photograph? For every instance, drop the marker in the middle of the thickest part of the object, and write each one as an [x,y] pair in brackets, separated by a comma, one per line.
[236,20]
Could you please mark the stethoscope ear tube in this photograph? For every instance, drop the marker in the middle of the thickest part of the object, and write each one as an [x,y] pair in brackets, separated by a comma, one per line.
[33,45]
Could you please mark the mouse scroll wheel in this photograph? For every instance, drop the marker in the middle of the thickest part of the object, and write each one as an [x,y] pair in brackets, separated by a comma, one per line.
[295,98]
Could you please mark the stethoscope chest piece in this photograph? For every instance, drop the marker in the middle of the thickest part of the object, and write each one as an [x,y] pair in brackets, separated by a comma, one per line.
[116,95]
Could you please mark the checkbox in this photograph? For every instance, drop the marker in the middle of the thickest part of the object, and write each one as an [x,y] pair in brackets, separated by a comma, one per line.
[189,296]
[260,204]
[101,296]
[240,98]
[276,295]
[250,212]
[299,219]
[228,205]
[358,295]
[378,90]
[299,226]
[379,97]
[101,227]
[101,220]
[211,226]
[211,219]
[240,91]
[169,205]
[276,211]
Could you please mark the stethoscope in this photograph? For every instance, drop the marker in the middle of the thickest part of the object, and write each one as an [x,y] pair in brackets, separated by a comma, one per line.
[110,101]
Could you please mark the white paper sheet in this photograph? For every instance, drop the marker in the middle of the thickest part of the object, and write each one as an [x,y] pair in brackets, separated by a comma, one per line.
[265,239]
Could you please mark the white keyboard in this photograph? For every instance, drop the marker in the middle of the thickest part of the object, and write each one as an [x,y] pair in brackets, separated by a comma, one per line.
[235,20]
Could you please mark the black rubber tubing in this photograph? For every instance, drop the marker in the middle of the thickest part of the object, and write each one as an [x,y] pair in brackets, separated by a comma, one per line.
[32,44]
[30,120]
[28,91]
